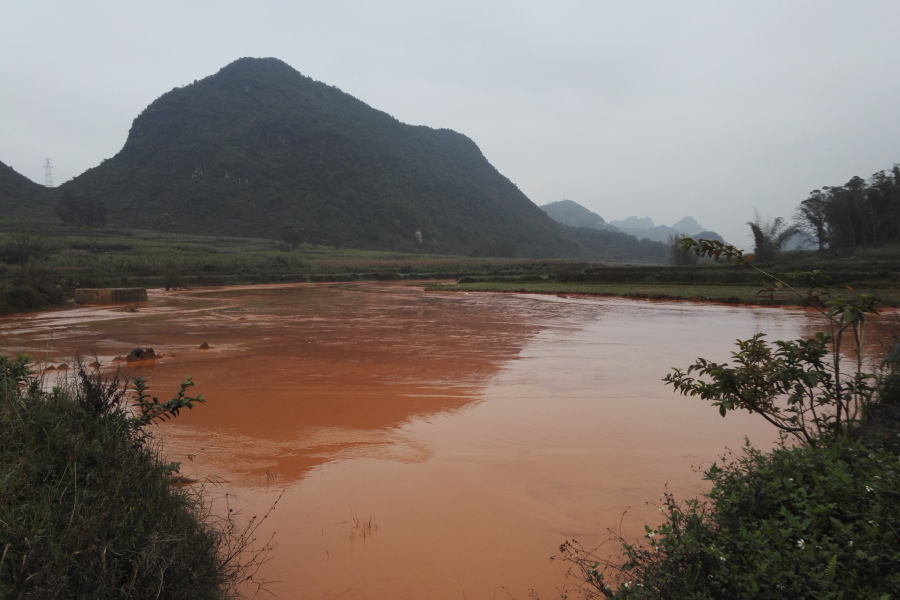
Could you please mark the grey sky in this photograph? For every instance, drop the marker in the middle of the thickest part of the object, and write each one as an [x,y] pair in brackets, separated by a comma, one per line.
[657,109]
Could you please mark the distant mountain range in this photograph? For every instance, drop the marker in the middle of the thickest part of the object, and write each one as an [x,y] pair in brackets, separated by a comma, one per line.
[259,150]
[258,147]
[645,229]
[571,213]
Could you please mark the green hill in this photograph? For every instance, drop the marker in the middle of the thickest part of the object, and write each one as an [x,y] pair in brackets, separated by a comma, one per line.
[21,197]
[258,148]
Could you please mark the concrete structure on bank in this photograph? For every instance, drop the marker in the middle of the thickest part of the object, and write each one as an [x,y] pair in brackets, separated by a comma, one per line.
[110,295]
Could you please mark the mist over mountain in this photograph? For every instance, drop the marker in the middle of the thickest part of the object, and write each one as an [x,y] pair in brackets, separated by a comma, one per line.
[258,147]
[634,223]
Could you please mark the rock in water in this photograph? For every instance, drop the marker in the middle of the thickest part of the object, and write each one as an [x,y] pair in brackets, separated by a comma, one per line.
[141,354]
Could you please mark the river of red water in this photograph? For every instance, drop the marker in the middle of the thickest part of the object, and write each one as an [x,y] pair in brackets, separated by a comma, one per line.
[428,445]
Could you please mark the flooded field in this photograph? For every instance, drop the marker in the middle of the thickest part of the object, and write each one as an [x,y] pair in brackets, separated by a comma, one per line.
[428,445]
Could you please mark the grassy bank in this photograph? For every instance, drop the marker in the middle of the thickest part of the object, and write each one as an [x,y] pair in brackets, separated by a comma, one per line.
[60,261]
[875,271]
[40,268]
[729,294]
[86,505]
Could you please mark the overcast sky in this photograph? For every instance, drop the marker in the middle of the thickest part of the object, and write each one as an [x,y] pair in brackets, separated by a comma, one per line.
[659,109]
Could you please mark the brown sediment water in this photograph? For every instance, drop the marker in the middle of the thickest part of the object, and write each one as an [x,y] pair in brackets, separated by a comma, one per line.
[429,445]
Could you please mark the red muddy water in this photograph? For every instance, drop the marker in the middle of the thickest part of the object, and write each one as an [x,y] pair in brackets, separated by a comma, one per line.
[474,432]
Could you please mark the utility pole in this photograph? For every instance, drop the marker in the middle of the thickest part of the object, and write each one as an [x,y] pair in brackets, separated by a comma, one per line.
[48,174]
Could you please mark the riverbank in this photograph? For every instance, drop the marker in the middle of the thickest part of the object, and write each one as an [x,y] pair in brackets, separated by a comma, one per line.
[45,273]
[722,294]
[866,271]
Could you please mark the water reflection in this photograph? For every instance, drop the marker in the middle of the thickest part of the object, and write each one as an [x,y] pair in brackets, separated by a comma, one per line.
[296,375]
[477,431]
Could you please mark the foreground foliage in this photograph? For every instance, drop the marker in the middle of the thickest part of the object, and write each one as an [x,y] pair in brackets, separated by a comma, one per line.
[799,522]
[802,387]
[86,506]
[817,520]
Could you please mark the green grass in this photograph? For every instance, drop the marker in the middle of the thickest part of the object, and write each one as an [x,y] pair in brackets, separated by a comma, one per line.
[117,254]
[70,259]
[138,258]
[869,270]
[731,294]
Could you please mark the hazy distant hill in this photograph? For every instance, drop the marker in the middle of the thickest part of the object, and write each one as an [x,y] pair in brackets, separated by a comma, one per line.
[21,197]
[643,228]
[598,239]
[569,212]
[635,223]
[688,226]
[258,147]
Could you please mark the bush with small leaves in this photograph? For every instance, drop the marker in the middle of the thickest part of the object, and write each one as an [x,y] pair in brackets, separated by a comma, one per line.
[799,522]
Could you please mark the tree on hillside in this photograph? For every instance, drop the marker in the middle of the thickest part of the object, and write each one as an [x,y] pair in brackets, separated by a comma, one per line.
[81,210]
[769,237]
[164,225]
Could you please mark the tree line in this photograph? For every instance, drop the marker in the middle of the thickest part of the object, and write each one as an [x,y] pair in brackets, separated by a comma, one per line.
[862,212]
[858,213]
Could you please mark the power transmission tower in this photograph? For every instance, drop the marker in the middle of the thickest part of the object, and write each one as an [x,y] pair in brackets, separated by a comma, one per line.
[48,174]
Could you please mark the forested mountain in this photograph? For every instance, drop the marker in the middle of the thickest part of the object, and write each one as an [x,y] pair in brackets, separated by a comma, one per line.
[258,148]
[21,197]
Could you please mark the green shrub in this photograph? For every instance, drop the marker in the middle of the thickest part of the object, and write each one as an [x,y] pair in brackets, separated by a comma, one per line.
[86,505]
[799,522]
[820,520]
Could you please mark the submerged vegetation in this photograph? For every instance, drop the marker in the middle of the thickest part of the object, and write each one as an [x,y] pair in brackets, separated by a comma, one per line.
[817,519]
[87,509]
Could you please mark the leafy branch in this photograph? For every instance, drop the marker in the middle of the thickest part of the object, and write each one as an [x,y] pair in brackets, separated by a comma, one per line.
[798,386]
[151,409]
